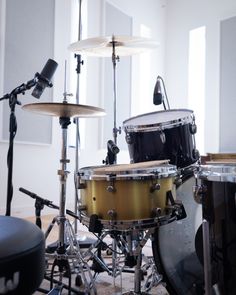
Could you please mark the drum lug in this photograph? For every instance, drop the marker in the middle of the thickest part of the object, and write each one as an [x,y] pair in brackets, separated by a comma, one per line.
[178,181]
[112,214]
[155,187]
[193,128]
[129,138]
[81,185]
[111,186]
[196,154]
[163,137]
[156,212]
[198,193]
[180,212]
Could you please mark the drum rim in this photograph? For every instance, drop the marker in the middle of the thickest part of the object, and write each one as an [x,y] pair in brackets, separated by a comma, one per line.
[219,172]
[167,171]
[132,224]
[161,125]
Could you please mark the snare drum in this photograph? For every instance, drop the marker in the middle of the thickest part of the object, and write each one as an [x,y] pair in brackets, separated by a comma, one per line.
[162,135]
[131,192]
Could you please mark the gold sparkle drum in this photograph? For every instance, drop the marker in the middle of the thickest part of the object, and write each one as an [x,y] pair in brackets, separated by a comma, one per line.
[125,196]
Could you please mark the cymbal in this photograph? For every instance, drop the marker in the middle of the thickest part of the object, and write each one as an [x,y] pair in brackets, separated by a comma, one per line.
[102,46]
[64,109]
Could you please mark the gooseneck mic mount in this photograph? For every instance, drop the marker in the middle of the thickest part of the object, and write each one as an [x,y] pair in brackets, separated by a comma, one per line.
[38,80]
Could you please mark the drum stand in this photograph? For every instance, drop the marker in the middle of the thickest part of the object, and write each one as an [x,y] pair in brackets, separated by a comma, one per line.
[136,245]
[130,244]
[64,253]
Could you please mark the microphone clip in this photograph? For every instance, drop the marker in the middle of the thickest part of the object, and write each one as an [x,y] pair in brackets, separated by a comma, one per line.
[112,151]
[38,77]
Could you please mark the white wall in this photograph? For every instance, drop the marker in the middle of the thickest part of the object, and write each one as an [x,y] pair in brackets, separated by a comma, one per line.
[183,16]
[35,166]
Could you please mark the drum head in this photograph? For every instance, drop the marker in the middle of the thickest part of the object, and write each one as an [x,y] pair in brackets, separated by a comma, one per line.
[158,120]
[174,247]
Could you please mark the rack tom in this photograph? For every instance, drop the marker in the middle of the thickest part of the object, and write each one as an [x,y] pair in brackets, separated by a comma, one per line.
[162,135]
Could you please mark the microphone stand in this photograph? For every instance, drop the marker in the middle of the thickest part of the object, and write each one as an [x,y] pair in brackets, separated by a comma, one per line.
[114,59]
[76,120]
[13,101]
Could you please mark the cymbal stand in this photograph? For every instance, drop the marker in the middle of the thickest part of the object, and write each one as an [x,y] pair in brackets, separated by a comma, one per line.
[66,233]
[115,58]
[76,121]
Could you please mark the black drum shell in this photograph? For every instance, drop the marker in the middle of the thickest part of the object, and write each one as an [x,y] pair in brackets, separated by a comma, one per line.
[168,134]
[175,144]
[219,208]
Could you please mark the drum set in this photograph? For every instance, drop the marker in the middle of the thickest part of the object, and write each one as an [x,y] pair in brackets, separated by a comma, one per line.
[167,194]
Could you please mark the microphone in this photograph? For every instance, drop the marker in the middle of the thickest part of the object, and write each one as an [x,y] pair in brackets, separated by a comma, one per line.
[157,94]
[44,78]
[112,147]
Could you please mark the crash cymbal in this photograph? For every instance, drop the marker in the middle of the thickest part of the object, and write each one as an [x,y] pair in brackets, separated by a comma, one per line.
[102,46]
[64,109]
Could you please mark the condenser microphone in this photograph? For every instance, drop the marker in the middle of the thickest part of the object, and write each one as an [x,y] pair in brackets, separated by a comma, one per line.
[157,94]
[44,78]
[112,147]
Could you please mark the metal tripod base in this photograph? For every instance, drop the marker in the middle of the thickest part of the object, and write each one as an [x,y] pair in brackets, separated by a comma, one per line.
[68,257]
[56,291]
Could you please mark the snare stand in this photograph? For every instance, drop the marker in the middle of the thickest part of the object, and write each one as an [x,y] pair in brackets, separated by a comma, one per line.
[132,246]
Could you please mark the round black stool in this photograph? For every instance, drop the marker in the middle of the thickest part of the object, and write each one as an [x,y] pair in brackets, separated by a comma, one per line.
[22,256]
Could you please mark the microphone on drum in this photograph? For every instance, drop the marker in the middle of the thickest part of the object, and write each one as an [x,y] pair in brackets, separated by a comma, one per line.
[159,94]
[112,147]
[112,151]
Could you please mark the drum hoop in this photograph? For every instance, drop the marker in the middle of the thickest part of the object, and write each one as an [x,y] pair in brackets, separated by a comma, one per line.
[159,126]
[219,173]
[127,225]
[136,174]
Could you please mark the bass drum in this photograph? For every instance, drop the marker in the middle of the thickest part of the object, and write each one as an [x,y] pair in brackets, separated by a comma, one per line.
[174,246]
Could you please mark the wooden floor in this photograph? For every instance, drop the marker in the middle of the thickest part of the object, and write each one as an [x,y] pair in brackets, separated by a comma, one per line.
[106,283]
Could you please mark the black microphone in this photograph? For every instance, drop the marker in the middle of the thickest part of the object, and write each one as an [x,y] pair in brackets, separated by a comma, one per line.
[157,94]
[44,78]
[112,147]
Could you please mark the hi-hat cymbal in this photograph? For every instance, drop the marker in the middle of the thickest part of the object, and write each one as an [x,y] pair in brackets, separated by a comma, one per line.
[102,46]
[64,109]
